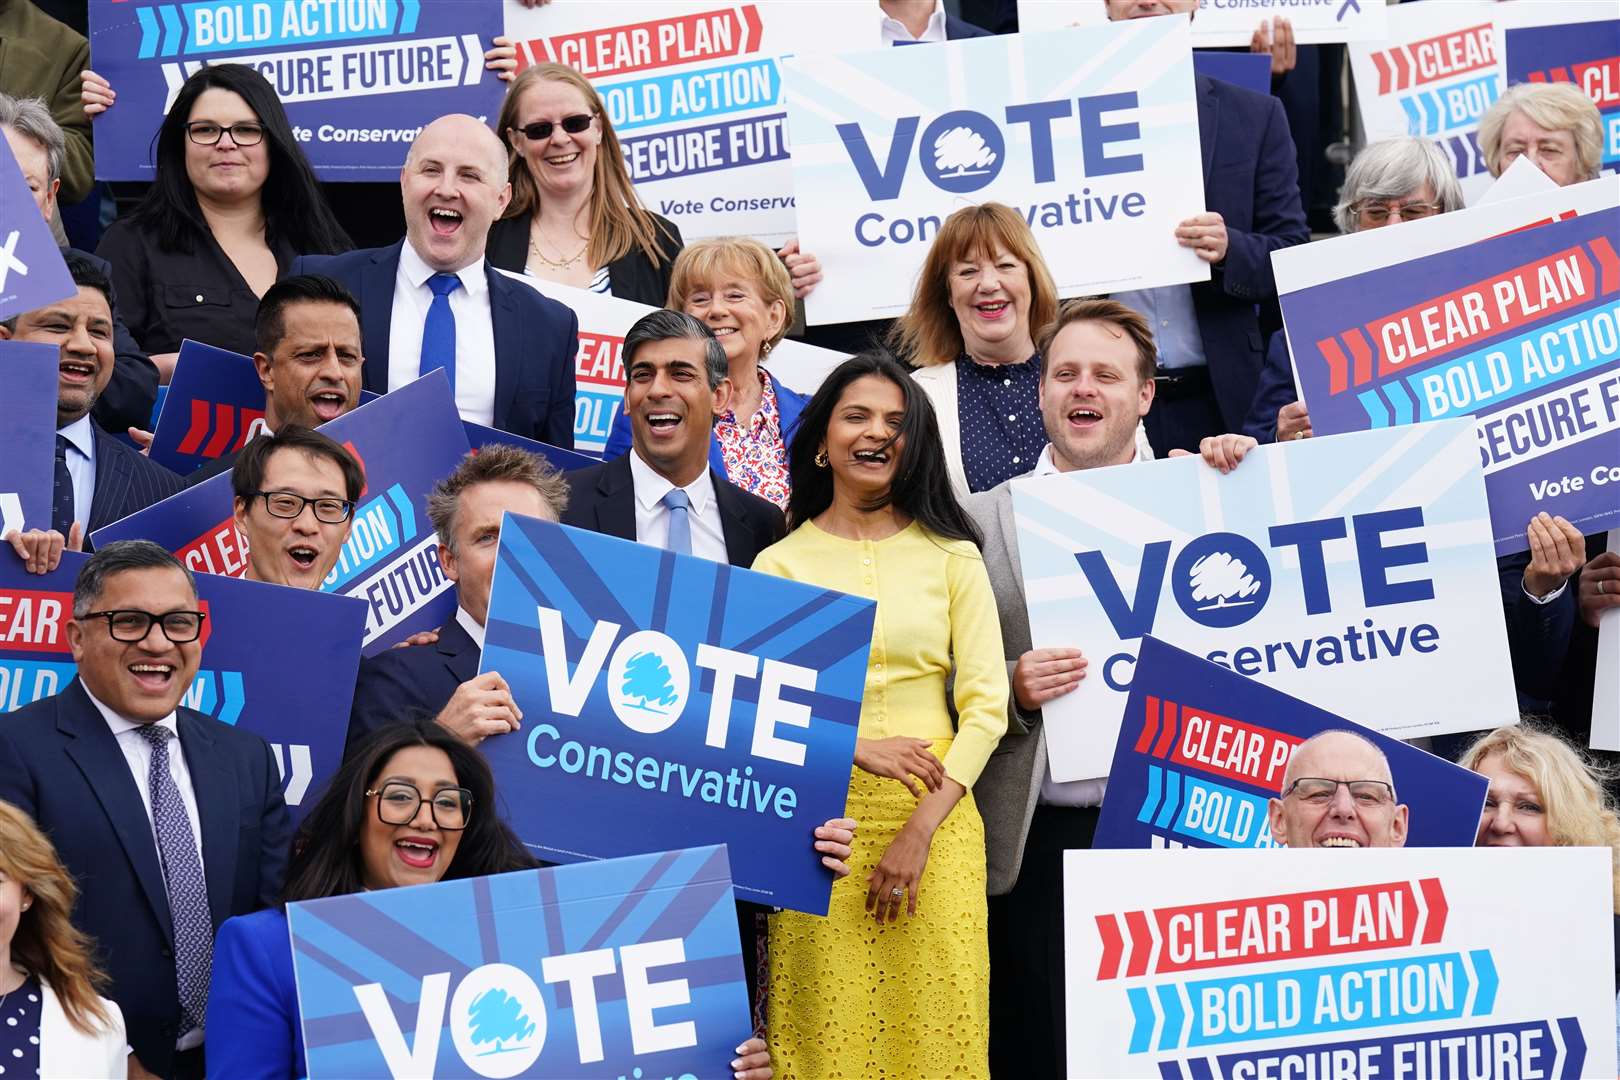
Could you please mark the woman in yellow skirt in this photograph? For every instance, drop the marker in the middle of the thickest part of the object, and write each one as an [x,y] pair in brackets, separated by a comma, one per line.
[894,982]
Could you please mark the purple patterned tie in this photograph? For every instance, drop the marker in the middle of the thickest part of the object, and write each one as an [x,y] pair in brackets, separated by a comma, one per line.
[183,877]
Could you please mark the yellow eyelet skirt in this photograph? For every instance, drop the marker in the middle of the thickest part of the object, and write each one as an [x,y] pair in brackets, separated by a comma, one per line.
[906,1000]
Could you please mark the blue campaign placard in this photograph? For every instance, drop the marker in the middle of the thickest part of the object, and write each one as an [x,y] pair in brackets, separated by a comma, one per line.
[1252,71]
[213,400]
[32,273]
[669,700]
[623,968]
[1520,332]
[28,382]
[391,559]
[358,79]
[1203,749]
[1586,54]
[278,662]
[560,459]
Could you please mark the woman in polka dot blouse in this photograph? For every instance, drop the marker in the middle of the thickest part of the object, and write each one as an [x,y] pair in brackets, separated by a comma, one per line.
[52,1021]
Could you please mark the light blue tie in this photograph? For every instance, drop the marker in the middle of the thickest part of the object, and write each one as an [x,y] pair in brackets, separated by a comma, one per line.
[439,330]
[680,521]
[183,878]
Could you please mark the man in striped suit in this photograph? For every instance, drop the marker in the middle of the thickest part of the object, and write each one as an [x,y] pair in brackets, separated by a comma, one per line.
[98,478]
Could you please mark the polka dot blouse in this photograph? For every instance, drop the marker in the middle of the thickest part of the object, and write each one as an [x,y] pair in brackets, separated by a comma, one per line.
[19,1032]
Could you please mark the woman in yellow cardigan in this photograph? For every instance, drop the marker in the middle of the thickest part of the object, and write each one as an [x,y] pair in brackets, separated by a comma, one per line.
[894,981]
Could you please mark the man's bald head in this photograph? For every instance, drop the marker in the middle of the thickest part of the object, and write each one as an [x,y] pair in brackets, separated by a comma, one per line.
[454,187]
[1338,791]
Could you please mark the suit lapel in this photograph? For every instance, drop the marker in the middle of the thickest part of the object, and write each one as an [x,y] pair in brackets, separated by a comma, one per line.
[1209,120]
[95,751]
[741,546]
[112,482]
[377,313]
[460,651]
[1009,538]
[213,782]
[616,502]
[503,316]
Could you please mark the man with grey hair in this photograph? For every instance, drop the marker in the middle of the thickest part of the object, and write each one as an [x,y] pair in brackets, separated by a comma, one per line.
[663,491]
[38,144]
[171,820]
[433,301]
[1338,792]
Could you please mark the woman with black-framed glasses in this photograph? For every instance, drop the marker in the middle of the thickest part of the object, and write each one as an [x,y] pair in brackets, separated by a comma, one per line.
[233,201]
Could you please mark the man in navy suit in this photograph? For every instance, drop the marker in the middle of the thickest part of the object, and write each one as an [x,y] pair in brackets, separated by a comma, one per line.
[98,478]
[441,678]
[432,300]
[170,821]
[1210,334]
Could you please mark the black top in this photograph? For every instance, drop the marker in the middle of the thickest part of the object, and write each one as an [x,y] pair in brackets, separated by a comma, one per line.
[998,408]
[166,296]
[632,276]
[19,1030]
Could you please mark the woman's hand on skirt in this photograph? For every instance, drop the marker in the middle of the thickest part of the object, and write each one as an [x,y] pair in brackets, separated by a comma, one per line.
[897,880]
[900,757]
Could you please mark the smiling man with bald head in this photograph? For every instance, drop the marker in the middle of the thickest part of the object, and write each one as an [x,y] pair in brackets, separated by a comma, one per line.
[434,301]
[1338,792]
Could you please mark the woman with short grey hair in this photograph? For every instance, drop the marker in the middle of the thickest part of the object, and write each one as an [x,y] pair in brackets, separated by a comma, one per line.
[1555,125]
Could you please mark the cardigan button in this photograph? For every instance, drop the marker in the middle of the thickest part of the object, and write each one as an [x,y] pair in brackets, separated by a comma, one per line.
[199,298]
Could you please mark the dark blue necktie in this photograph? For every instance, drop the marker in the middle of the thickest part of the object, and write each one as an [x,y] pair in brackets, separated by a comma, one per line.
[183,878]
[680,521]
[62,492]
[439,330]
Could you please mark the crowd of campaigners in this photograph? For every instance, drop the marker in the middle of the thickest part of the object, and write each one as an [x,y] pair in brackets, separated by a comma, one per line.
[146,853]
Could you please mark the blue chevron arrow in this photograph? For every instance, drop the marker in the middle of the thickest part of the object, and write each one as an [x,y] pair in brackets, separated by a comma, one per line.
[1142,1011]
[1172,798]
[1401,400]
[232,697]
[407,512]
[1348,5]
[150,34]
[409,11]
[173,31]
[1174,1016]
[1155,786]
[1374,405]
[1414,117]
[1574,1047]
[1485,973]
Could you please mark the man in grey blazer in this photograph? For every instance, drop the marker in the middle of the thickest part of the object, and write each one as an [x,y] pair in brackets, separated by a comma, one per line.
[1097,363]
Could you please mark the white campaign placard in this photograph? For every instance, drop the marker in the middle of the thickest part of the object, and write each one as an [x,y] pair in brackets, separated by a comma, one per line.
[1355,572]
[1517,181]
[1090,134]
[694,90]
[1383,964]
[1230,22]
[599,365]
[1606,687]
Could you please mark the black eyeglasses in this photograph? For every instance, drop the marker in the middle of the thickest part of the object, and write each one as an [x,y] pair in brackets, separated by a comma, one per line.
[398,802]
[287,504]
[542,129]
[1319,790]
[127,624]
[207,133]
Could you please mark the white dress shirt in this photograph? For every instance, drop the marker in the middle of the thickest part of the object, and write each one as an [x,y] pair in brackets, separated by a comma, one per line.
[81,466]
[1070,792]
[894,30]
[475,334]
[652,516]
[474,628]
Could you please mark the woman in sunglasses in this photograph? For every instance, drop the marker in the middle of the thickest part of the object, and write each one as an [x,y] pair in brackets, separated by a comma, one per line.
[233,201]
[574,217]
[411,805]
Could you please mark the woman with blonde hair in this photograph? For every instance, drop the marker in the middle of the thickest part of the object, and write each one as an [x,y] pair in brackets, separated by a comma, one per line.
[740,290]
[1555,125]
[53,1023]
[982,295]
[575,217]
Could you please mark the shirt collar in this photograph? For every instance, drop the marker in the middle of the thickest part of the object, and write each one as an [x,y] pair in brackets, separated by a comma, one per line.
[651,487]
[118,724]
[1045,466]
[416,271]
[80,436]
[934,31]
[471,625]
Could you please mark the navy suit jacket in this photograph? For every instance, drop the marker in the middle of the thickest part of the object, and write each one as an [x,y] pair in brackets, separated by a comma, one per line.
[61,764]
[398,684]
[132,391]
[536,340]
[1252,180]
[126,481]
[1275,389]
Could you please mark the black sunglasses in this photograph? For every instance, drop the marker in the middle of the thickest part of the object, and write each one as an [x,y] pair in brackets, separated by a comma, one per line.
[542,129]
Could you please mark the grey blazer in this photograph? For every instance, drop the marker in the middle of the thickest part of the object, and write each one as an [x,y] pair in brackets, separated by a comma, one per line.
[1011,781]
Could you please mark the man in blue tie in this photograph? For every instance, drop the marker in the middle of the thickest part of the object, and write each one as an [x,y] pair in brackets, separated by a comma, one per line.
[171,821]
[663,492]
[434,301]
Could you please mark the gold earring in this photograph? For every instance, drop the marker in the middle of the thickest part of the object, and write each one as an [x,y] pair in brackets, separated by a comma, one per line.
[821,458]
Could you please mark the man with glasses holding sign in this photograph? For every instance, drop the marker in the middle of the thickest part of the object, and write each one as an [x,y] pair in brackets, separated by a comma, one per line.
[295,494]
[1338,792]
[171,821]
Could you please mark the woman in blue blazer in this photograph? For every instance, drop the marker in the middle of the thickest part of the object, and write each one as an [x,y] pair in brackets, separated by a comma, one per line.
[412,805]
[741,291]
